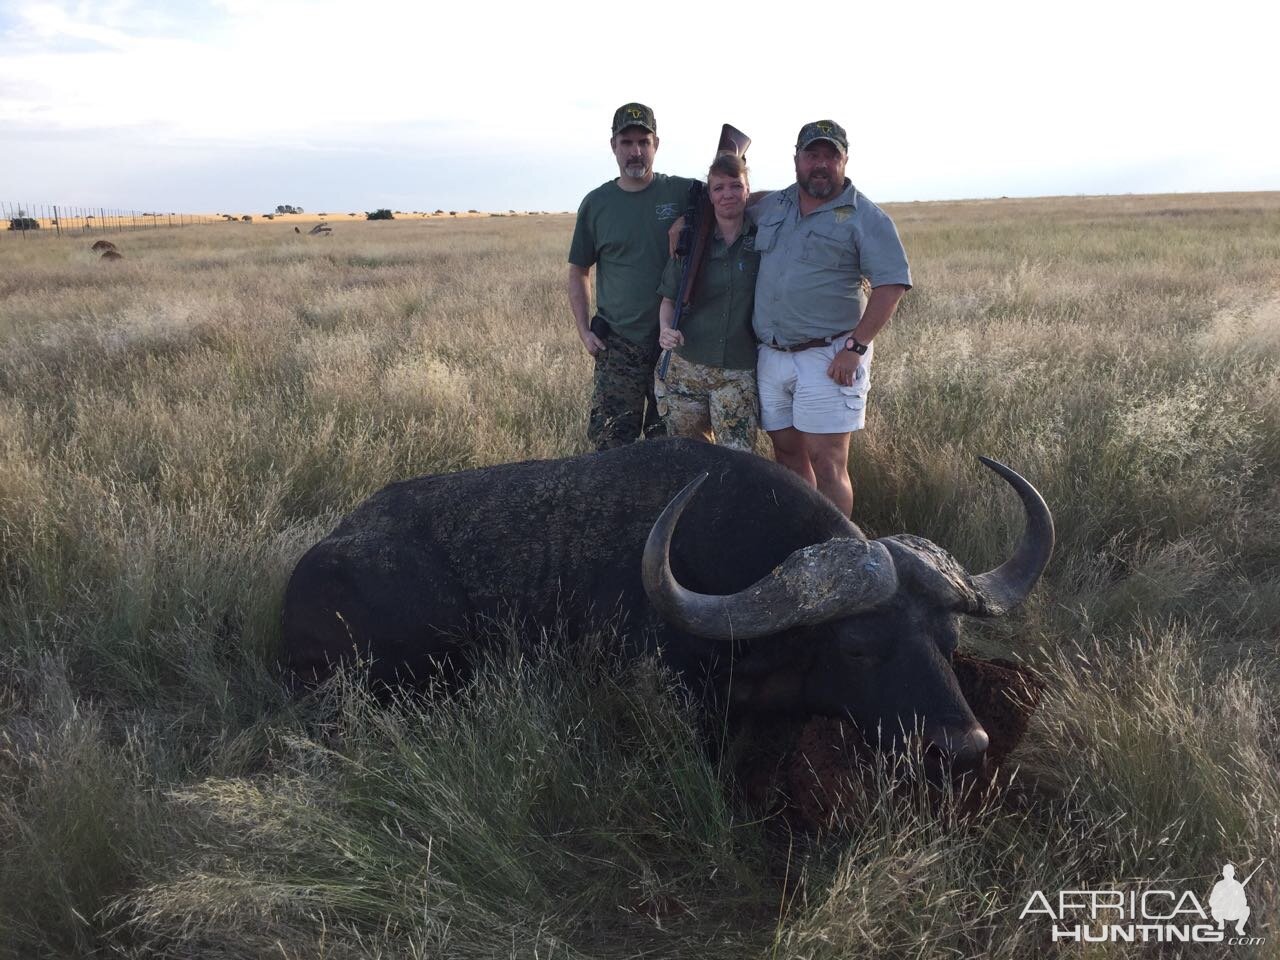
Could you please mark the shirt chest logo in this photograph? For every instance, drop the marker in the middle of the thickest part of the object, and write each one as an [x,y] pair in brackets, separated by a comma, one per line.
[667,211]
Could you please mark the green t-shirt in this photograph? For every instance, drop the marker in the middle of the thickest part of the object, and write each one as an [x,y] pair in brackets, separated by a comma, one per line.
[624,236]
[717,328]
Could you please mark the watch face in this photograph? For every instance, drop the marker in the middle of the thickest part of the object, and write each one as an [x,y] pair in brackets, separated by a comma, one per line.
[855,346]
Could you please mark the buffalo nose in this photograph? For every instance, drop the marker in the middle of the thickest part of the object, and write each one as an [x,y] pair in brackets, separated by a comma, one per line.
[963,749]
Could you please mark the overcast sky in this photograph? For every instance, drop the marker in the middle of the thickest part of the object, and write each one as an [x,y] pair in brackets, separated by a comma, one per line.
[244,104]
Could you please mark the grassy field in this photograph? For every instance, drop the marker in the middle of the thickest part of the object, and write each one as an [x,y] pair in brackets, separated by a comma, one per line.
[176,428]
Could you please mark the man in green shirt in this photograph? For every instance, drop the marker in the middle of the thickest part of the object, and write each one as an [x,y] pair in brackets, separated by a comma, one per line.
[621,231]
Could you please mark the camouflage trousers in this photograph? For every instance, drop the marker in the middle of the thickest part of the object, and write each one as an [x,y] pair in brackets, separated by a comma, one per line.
[710,403]
[622,404]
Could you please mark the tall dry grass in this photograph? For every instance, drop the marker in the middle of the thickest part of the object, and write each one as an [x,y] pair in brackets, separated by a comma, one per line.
[176,428]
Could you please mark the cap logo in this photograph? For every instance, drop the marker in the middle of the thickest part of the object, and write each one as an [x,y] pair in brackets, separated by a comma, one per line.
[635,114]
[824,127]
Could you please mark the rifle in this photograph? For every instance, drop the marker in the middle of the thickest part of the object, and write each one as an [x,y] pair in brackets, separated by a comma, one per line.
[699,220]
[1255,870]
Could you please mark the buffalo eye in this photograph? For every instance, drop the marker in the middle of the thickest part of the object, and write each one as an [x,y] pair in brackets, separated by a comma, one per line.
[947,636]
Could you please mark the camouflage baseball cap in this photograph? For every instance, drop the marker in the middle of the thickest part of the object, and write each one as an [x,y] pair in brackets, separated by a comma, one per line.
[634,115]
[822,130]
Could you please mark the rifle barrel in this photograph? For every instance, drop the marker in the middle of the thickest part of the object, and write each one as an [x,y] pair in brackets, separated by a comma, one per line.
[1255,870]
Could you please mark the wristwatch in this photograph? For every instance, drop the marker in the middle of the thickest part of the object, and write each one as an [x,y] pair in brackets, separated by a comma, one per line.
[851,344]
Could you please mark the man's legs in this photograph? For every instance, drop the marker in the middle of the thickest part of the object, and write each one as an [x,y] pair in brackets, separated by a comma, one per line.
[820,460]
[622,394]
[809,418]
[829,460]
[789,450]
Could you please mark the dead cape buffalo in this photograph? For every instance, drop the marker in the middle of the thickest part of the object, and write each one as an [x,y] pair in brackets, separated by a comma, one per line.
[750,583]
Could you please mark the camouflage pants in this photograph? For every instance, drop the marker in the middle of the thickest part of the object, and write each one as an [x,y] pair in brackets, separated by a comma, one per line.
[710,403]
[622,404]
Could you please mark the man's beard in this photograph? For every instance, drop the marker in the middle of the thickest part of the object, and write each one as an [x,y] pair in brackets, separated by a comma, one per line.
[636,170]
[818,190]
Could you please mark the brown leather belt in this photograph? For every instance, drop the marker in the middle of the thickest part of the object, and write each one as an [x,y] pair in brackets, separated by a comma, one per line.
[807,344]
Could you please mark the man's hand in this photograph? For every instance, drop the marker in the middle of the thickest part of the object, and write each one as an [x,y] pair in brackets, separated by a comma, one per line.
[593,343]
[673,235]
[844,368]
[579,290]
[669,339]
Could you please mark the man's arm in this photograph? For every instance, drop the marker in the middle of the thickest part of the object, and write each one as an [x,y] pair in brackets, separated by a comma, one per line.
[880,306]
[673,233]
[579,289]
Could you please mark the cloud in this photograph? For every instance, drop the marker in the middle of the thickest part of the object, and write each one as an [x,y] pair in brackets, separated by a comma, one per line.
[939,99]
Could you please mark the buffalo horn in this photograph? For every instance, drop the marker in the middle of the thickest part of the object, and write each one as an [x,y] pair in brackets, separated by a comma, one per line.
[1003,588]
[813,585]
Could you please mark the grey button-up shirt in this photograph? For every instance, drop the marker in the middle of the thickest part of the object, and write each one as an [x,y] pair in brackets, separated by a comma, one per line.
[811,267]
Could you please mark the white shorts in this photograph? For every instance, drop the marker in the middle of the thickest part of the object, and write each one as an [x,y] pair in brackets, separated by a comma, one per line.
[795,391]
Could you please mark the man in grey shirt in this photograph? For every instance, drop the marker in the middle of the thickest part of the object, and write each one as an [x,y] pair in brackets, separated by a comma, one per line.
[818,240]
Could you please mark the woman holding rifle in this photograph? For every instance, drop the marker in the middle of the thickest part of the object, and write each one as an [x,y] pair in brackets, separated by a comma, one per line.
[710,387]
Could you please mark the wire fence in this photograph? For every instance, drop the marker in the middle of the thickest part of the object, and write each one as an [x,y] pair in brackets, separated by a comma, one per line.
[29,220]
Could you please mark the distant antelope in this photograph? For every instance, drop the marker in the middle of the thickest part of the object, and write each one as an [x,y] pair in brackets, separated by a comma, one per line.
[102,245]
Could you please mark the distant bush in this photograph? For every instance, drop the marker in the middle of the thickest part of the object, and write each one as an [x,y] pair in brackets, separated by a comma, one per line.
[268,216]
[473,211]
[24,223]
[380,214]
[288,208]
[247,219]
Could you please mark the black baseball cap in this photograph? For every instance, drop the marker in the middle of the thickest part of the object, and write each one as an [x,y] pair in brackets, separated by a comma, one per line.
[823,130]
[634,115]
